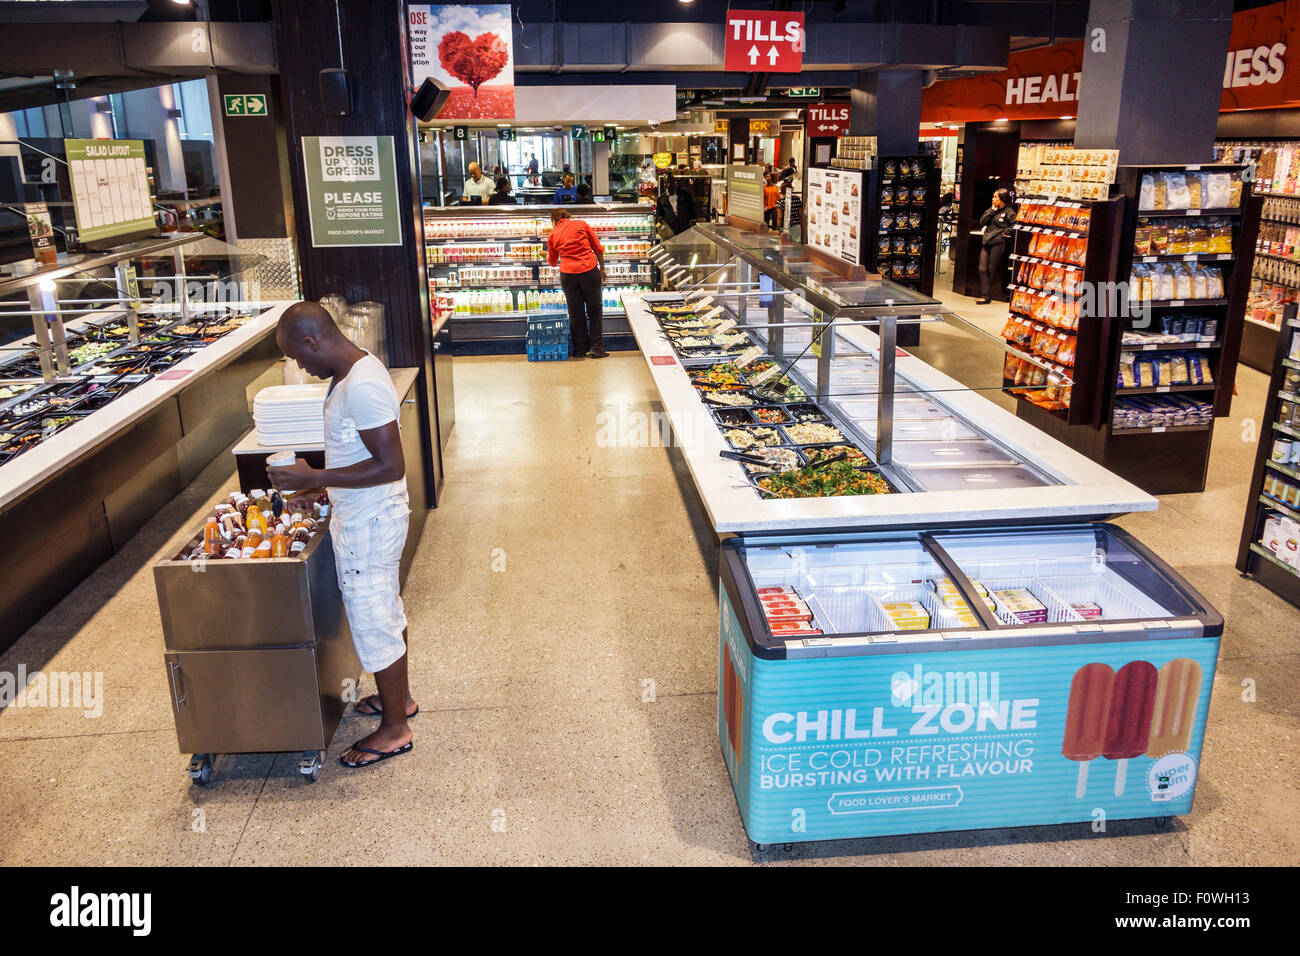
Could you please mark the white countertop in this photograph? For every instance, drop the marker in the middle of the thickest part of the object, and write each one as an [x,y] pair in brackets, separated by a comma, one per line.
[403,379]
[733,505]
[58,452]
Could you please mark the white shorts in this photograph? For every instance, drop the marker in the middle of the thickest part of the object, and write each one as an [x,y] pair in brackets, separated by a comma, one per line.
[367,556]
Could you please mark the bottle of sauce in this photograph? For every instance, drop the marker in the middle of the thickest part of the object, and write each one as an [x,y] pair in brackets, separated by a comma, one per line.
[255,520]
[280,545]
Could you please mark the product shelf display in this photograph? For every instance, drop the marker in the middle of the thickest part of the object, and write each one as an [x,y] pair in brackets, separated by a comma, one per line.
[903,208]
[123,391]
[1270,537]
[1059,248]
[488,269]
[1181,269]
[879,517]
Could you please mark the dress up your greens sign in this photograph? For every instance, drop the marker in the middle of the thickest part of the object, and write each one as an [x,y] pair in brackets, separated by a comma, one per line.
[352,190]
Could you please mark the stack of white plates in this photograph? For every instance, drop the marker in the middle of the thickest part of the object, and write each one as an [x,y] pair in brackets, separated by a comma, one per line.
[290,415]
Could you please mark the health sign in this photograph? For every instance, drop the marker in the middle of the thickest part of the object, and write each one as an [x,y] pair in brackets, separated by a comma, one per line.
[763,41]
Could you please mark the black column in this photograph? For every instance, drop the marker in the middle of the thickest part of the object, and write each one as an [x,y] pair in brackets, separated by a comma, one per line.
[374,54]
[886,104]
[1153,78]
[257,197]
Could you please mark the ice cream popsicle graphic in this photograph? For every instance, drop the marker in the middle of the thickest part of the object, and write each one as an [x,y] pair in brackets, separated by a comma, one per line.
[1086,718]
[1177,694]
[1132,700]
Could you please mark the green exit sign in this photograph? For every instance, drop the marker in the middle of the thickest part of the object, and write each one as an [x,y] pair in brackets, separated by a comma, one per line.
[805,91]
[245,104]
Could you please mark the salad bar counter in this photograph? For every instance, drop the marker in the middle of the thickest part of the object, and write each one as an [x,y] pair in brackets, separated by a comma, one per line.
[923,625]
[116,399]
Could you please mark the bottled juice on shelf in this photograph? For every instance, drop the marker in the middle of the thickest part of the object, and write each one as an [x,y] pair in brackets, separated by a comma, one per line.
[211,536]
[251,543]
[280,545]
[255,521]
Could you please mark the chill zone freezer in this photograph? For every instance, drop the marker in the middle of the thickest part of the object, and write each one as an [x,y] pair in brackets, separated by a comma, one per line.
[889,683]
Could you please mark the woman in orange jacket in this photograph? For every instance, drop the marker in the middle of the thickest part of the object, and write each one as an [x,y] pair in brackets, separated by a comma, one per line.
[575,248]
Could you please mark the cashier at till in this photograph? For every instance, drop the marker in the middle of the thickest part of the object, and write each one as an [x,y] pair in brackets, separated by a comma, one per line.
[478,188]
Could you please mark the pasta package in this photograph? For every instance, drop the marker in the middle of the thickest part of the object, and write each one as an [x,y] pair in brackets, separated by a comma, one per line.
[1176,194]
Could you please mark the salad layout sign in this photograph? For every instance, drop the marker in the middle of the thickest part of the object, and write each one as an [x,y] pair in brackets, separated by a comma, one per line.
[110,188]
[834,204]
[469,49]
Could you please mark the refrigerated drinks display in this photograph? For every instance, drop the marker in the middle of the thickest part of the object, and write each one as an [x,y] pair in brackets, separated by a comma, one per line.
[488,268]
[924,623]
[920,682]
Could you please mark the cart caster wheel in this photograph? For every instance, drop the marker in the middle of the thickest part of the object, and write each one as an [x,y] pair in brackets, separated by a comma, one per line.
[762,847]
[310,766]
[1162,823]
[788,847]
[200,769]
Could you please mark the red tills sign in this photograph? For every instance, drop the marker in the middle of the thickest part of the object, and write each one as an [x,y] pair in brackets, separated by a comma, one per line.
[763,41]
[830,119]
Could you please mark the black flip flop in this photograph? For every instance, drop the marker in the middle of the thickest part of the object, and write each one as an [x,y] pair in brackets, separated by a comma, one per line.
[405,748]
[379,713]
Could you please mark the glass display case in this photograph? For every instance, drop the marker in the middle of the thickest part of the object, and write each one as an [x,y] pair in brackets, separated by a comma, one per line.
[488,267]
[796,363]
[122,375]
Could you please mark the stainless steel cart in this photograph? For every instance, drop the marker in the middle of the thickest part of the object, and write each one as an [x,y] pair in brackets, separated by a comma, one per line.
[259,655]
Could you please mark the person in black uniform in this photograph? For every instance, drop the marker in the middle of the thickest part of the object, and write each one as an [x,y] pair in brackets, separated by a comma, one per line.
[996,222]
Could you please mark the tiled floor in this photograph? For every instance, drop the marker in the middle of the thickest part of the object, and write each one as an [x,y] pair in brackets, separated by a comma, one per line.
[563,616]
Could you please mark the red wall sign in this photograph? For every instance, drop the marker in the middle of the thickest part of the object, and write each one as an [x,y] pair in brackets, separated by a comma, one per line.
[830,119]
[760,41]
[1044,83]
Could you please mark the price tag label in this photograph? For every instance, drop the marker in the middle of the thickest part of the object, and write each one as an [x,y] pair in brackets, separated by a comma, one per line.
[704,300]
[1157,429]
[747,356]
[1190,258]
[1177,302]
[662,360]
[1148,348]
[712,313]
[1163,388]
[734,340]
[1150,258]
[1193,212]
[1192,168]
[1223,256]
[764,375]
[726,326]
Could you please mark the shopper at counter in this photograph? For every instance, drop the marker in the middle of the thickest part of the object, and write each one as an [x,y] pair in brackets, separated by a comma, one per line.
[478,188]
[502,196]
[365,473]
[566,192]
[575,248]
[996,223]
[790,172]
[533,178]
[771,202]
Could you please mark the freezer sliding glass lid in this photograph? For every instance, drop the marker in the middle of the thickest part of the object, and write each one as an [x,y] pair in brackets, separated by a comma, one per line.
[1070,575]
[876,587]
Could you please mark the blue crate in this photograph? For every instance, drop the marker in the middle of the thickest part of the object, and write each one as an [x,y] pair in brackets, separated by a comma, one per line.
[548,353]
[548,327]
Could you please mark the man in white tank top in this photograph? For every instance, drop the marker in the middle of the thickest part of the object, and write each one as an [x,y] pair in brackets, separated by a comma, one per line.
[365,474]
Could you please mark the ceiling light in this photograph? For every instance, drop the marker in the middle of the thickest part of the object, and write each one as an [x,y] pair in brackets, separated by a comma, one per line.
[181,3]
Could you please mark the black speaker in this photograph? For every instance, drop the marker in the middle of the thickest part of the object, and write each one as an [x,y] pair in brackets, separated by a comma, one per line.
[335,91]
[429,99]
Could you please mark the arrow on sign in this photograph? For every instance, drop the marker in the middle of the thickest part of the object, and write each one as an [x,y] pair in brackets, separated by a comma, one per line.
[772,55]
[753,55]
